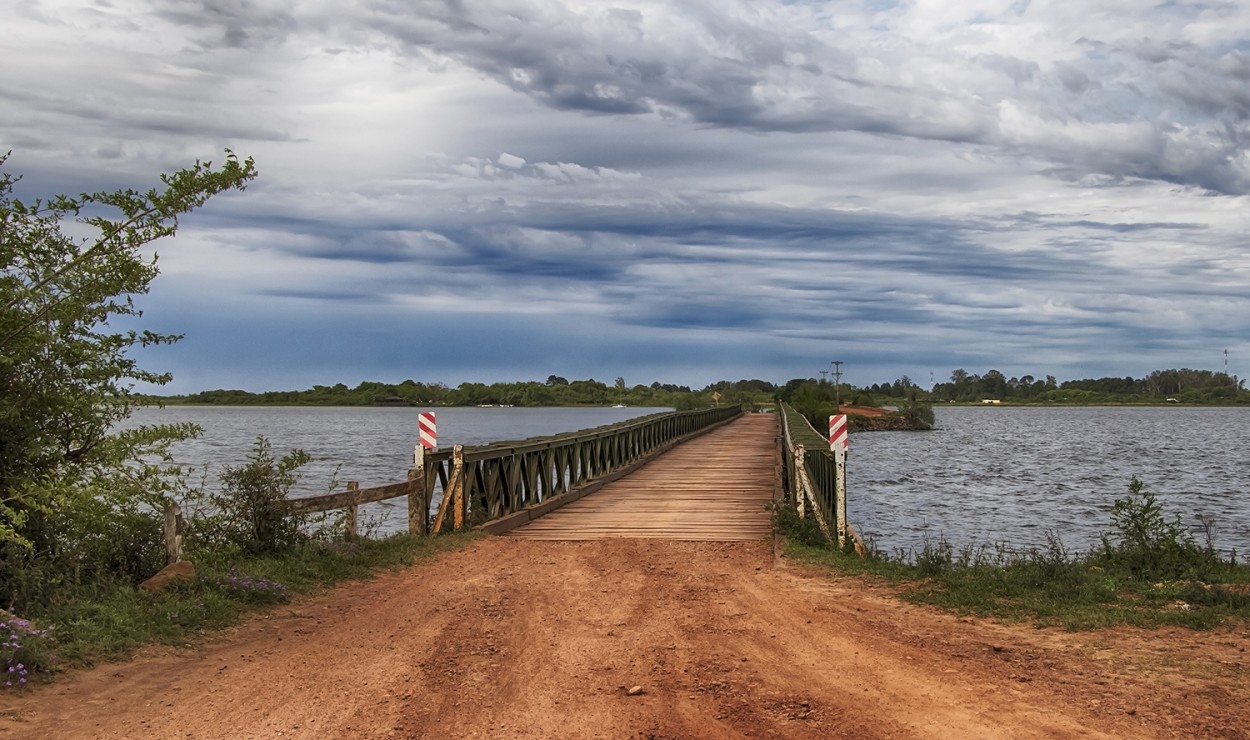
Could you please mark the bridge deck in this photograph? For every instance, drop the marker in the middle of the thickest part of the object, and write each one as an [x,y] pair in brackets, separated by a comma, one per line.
[713,487]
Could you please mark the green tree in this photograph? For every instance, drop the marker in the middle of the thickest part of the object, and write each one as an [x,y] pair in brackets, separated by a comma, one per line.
[66,375]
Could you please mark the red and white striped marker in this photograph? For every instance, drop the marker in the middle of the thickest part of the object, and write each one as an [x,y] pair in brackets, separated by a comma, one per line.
[839,442]
[427,429]
[838,439]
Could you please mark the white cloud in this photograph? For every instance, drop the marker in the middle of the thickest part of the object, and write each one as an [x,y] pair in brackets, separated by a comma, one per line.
[511,161]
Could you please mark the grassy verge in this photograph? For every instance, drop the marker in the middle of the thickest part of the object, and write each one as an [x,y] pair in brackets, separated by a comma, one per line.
[1147,572]
[110,621]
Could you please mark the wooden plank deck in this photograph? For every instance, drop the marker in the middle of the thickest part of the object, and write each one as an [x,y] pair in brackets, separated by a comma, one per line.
[712,488]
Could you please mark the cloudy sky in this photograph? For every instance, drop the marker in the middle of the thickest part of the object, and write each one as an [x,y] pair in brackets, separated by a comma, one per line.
[676,191]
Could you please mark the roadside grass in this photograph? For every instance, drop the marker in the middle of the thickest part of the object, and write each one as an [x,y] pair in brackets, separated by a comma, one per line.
[1086,597]
[103,622]
[1147,572]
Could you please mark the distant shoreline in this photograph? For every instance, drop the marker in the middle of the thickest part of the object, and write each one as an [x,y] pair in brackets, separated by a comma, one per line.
[148,400]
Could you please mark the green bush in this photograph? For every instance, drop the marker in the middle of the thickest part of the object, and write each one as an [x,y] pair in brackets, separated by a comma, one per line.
[104,531]
[1147,546]
[100,540]
[250,512]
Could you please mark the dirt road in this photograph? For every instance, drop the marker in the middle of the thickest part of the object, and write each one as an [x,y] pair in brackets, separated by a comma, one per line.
[513,638]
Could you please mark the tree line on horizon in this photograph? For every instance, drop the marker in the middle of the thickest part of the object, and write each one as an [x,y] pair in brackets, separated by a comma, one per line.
[1185,386]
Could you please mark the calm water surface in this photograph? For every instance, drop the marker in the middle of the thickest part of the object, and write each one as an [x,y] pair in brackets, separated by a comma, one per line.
[990,475]
[985,475]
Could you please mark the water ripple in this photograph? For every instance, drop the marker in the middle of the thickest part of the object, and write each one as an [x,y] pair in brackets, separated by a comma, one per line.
[990,475]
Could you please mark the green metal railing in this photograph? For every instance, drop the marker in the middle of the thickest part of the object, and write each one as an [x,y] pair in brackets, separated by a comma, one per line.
[507,477]
[810,473]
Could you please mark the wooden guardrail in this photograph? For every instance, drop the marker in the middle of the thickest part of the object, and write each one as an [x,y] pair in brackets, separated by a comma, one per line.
[354,497]
[491,483]
[810,473]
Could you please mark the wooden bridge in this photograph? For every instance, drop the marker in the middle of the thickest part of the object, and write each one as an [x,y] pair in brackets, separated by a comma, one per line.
[713,487]
[707,474]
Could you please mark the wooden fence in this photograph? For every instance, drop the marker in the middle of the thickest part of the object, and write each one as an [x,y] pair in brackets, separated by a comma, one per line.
[507,482]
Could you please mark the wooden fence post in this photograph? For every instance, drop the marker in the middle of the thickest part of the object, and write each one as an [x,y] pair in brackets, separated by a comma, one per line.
[453,492]
[349,523]
[457,474]
[173,533]
[418,497]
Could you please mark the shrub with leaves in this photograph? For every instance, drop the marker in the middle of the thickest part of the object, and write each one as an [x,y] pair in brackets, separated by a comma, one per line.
[250,511]
[1146,545]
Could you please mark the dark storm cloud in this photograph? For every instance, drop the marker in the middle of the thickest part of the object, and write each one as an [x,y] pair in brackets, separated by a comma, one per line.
[231,23]
[769,77]
[608,63]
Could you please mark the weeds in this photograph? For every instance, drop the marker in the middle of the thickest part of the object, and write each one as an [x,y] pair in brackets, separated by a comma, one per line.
[1147,571]
[798,528]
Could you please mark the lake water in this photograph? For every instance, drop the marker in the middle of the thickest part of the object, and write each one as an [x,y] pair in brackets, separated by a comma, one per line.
[990,475]
[985,475]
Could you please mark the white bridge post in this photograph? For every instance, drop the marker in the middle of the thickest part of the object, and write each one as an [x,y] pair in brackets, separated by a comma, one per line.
[839,441]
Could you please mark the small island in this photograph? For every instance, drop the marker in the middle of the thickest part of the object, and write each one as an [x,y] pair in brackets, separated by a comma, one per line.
[888,418]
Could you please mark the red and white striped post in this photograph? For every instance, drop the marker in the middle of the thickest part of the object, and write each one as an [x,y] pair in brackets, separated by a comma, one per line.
[427,429]
[839,442]
[838,438]
[419,495]
[427,433]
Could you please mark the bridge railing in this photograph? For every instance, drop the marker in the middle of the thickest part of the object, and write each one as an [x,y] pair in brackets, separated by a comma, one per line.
[810,473]
[504,484]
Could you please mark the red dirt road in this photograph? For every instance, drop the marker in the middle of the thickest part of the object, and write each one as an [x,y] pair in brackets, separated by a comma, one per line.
[513,638]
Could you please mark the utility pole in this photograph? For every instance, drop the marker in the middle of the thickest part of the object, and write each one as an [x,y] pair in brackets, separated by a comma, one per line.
[837,382]
[824,374]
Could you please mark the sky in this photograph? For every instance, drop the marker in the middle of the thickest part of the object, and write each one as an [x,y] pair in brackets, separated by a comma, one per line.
[681,192]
